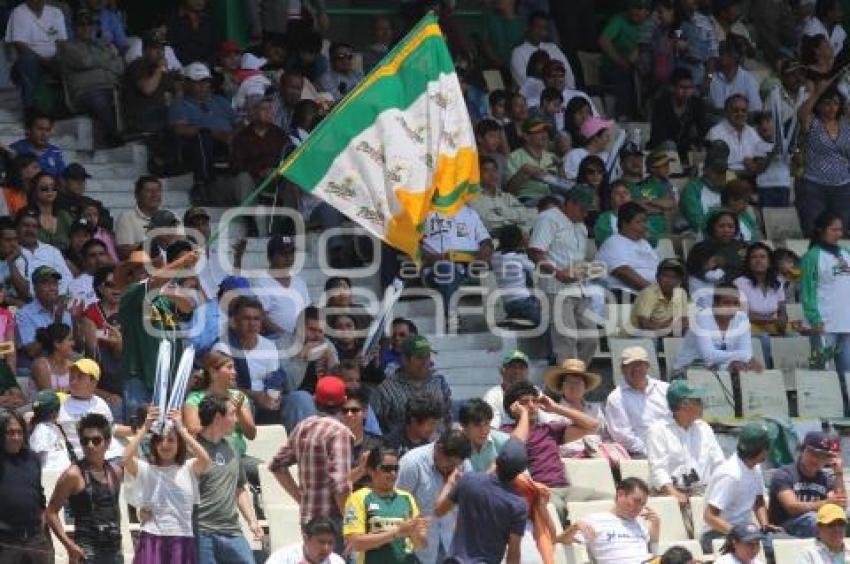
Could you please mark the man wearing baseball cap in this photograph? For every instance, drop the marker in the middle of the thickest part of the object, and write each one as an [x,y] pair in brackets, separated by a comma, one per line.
[282,293]
[558,246]
[321,447]
[662,308]
[655,193]
[46,308]
[702,195]
[637,403]
[514,369]
[530,163]
[829,546]
[799,489]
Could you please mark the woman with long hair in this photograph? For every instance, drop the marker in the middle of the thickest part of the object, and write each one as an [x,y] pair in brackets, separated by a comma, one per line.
[53,225]
[168,489]
[717,259]
[591,171]
[742,546]
[24,169]
[612,198]
[51,371]
[577,111]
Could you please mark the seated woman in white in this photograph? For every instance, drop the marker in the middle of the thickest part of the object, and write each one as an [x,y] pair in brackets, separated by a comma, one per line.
[631,261]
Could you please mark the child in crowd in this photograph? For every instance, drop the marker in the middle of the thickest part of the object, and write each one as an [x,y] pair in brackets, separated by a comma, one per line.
[736,198]
[773,186]
[606,222]
[787,266]
[498,102]
[655,194]
[47,439]
[512,269]
[492,143]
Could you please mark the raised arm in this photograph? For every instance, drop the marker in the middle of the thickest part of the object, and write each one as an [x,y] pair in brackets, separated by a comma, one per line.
[132,448]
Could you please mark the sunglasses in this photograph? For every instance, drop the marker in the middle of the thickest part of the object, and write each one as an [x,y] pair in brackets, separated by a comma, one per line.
[47,188]
[388,468]
[94,441]
[351,410]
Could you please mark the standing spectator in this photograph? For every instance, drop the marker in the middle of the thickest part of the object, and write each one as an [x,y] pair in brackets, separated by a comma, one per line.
[257,149]
[383,35]
[416,375]
[635,404]
[91,212]
[619,43]
[35,29]
[698,32]
[90,488]
[558,246]
[490,515]
[631,261]
[90,71]
[538,29]
[799,489]
[683,452]
[38,128]
[826,131]
[829,545]
[745,145]
[514,369]
[529,164]
[423,472]
[422,416]
[679,116]
[168,489]
[222,489]
[321,447]
[148,86]
[702,195]
[606,222]
[110,24]
[773,186]
[732,79]
[320,535]
[47,440]
[282,293]
[131,227]
[46,308]
[24,537]
[50,372]
[827,22]
[191,32]
[719,258]
[341,78]
[662,308]
[355,413]
[53,225]
[825,280]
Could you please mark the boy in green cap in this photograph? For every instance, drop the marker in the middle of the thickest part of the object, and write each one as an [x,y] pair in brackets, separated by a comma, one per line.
[655,194]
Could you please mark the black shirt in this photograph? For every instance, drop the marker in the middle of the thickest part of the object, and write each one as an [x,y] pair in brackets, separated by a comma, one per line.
[21,492]
[805,489]
[686,130]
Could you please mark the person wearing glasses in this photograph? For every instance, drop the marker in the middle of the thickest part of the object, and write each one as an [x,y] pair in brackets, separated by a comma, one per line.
[341,78]
[90,488]
[382,522]
[53,225]
[746,148]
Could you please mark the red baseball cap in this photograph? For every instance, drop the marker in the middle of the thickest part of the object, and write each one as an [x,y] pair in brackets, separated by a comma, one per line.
[228,47]
[330,391]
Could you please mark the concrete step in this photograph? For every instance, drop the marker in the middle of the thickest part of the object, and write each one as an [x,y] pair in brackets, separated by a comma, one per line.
[124,200]
[111,170]
[130,153]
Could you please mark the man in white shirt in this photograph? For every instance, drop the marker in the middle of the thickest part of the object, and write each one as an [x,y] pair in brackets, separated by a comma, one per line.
[746,148]
[682,451]
[132,225]
[554,76]
[95,257]
[736,489]
[283,294]
[558,246]
[538,29]
[320,535]
[633,406]
[33,253]
[617,537]
[632,262]
[34,29]
[732,78]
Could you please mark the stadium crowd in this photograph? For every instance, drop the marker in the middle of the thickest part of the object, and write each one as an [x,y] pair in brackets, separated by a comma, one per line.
[631,153]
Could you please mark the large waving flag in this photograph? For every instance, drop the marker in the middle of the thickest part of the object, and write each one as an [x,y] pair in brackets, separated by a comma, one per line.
[400,145]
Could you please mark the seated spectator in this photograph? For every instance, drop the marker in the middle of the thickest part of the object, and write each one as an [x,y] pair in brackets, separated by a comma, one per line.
[763,294]
[745,145]
[683,452]
[535,35]
[735,491]
[91,69]
[257,149]
[308,59]
[630,259]
[400,329]
[595,138]
[827,21]
[617,536]
[23,170]
[191,32]
[799,489]
[829,542]
[110,24]
[743,545]
[678,116]
[282,293]
[592,172]
[45,308]
[571,381]
[46,439]
[662,308]
[736,198]
[35,30]
[512,269]
[551,110]
[50,372]
[619,43]
[384,37]
[701,196]
[496,208]
[81,289]
[319,536]
[450,245]
[415,376]
[636,404]
[53,224]
[631,164]
[228,62]
[720,336]
[655,194]
[288,94]
[728,25]
[149,84]
[773,186]
[606,222]
[131,227]
[719,258]
[33,254]
[492,144]
[514,369]
[11,395]
[347,337]
[528,166]
[72,193]
[38,128]
[354,414]
[516,116]
[422,416]
[731,79]
[203,123]
[341,78]
[523,401]
[308,353]
[79,234]
[554,76]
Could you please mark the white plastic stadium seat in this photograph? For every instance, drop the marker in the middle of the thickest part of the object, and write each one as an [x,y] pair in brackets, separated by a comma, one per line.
[718,401]
[635,469]
[284,526]
[789,354]
[269,440]
[592,473]
[789,551]
[672,525]
[781,223]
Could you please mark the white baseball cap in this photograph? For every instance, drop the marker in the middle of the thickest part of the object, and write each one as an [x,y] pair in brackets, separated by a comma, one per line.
[197,71]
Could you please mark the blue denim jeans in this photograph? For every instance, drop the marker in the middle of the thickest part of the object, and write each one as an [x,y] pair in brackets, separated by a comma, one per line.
[524,308]
[26,72]
[136,395]
[812,199]
[214,548]
[803,526]
[445,277]
[295,407]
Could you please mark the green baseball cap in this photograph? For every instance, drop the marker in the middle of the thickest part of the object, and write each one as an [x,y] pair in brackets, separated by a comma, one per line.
[418,346]
[581,194]
[515,356]
[680,390]
[45,401]
[43,272]
[753,436]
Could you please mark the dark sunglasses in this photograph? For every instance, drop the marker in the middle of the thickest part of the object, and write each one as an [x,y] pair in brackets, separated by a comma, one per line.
[388,468]
[351,410]
[95,441]
[47,188]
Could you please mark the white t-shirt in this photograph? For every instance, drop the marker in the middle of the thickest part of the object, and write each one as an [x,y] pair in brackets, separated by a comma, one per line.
[464,232]
[510,271]
[731,559]
[169,492]
[757,300]
[815,27]
[295,555]
[617,541]
[744,145]
[619,251]
[47,441]
[262,360]
[73,409]
[282,305]
[134,51]
[733,490]
[39,33]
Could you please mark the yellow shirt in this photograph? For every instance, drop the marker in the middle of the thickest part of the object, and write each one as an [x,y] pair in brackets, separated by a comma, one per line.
[652,304]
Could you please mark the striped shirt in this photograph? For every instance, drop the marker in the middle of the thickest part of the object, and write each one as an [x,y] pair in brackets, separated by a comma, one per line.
[390,397]
[321,446]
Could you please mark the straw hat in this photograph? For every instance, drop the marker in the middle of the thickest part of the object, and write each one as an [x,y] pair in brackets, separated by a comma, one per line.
[553,376]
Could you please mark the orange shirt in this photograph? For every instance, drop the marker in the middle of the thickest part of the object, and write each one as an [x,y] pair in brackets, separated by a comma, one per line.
[15,200]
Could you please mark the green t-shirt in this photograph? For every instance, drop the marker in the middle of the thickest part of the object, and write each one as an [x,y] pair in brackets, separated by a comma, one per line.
[503,34]
[367,512]
[604,227]
[217,513]
[656,223]
[237,439]
[531,188]
[623,34]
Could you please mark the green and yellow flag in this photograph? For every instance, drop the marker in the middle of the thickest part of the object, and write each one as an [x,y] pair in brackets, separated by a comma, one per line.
[399,146]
